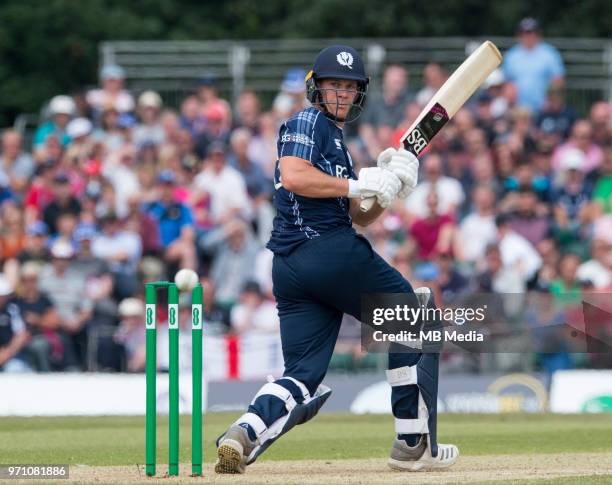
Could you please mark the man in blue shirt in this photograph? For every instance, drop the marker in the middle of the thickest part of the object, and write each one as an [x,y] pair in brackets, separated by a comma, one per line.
[533,66]
[175,223]
[322,267]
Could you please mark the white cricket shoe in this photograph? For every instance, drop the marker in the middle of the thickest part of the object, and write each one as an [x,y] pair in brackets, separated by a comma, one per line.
[417,458]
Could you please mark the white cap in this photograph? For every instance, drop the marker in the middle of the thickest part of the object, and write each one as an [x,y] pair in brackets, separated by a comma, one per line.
[79,127]
[62,105]
[573,159]
[150,99]
[62,249]
[131,307]
[5,286]
[495,79]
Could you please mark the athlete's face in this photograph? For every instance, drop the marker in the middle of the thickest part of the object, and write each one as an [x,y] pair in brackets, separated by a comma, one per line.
[338,95]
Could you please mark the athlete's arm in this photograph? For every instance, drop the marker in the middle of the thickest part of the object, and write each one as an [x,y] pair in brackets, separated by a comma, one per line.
[301,177]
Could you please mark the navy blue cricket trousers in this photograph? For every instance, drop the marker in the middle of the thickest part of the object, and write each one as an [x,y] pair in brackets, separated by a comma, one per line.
[318,282]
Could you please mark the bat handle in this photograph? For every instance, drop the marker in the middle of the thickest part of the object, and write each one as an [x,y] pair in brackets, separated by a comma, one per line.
[367,204]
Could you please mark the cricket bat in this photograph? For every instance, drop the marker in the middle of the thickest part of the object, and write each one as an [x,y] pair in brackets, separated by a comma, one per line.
[447,101]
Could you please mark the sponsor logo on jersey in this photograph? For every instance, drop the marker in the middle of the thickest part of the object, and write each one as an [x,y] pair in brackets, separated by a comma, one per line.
[297,138]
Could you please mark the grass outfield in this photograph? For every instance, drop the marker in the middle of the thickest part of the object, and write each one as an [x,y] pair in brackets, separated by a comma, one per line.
[119,441]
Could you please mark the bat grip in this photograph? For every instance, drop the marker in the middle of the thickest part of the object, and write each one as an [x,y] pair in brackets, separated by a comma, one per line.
[367,204]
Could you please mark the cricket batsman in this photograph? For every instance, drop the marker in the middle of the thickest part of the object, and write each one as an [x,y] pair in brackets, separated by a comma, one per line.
[322,267]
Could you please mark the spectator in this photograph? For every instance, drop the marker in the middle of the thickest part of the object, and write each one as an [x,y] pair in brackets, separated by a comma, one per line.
[598,269]
[81,144]
[600,121]
[385,110]
[602,194]
[111,94]
[191,118]
[15,164]
[68,293]
[533,66]
[61,109]
[13,236]
[526,221]
[216,317]
[449,191]
[477,230]
[175,222]
[254,314]
[248,110]
[434,76]
[120,249]
[556,118]
[292,95]
[234,249]
[262,149]
[224,184]
[258,186]
[516,252]
[34,249]
[14,335]
[567,289]
[498,277]
[63,202]
[150,128]
[131,333]
[580,140]
[49,348]
[433,234]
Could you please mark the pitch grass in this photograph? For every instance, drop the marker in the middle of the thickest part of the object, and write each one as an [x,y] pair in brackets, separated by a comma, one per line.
[120,440]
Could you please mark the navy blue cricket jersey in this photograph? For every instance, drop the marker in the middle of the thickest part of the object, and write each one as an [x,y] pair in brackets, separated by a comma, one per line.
[310,135]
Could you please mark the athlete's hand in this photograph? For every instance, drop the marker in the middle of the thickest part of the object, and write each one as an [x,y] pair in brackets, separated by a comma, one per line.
[375,182]
[404,165]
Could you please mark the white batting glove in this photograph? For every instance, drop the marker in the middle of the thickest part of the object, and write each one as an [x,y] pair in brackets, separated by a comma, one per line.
[375,182]
[404,165]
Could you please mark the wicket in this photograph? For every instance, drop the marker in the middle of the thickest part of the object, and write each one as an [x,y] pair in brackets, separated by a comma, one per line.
[151,376]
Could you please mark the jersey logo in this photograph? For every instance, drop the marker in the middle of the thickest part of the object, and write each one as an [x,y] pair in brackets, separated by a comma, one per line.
[345,59]
[297,138]
[338,144]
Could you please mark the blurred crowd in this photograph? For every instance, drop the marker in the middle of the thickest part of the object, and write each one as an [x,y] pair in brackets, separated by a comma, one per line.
[117,188]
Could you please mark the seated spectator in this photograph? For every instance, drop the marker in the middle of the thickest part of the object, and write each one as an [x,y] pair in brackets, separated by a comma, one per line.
[526,221]
[477,230]
[567,289]
[34,249]
[254,314]
[599,117]
[175,222]
[516,251]
[598,269]
[581,138]
[63,202]
[120,249]
[556,118]
[434,76]
[234,249]
[258,186]
[49,349]
[262,148]
[14,335]
[111,133]
[449,191]
[433,234]
[248,110]
[111,94]
[384,111]
[13,236]
[227,189]
[149,129]
[16,164]
[216,317]
[81,146]
[191,118]
[498,277]
[451,283]
[68,293]
[602,194]
[61,109]
[131,333]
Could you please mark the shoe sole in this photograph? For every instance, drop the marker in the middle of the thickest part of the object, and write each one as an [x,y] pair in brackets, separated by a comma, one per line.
[229,458]
[418,466]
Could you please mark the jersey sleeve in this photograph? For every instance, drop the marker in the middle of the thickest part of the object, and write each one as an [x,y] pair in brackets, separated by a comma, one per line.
[301,136]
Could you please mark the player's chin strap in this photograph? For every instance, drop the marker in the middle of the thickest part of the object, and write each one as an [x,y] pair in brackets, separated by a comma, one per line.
[297,412]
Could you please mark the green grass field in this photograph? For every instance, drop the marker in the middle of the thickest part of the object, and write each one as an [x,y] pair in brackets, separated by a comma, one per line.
[119,441]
